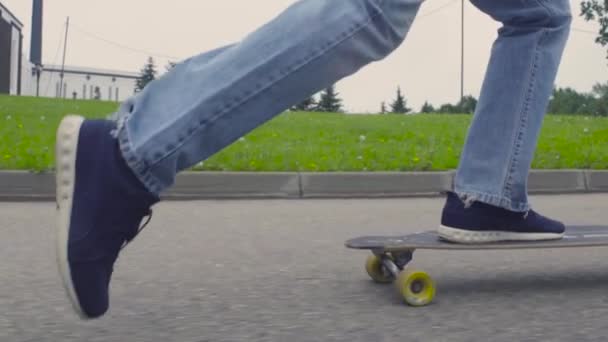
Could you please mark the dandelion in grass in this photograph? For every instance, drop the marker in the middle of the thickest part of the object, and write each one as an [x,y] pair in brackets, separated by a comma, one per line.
[359,157]
[242,139]
[362,138]
[8,117]
[42,118]
[586,130]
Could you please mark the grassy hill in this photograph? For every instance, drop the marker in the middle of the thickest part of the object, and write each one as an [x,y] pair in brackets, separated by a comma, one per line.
[314,141]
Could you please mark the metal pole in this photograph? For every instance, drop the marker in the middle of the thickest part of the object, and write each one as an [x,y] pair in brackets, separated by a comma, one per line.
[38,71]
[65,46]
[462,54]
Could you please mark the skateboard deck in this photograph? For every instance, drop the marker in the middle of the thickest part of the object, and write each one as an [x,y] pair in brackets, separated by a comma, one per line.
[576,236]
[391,255]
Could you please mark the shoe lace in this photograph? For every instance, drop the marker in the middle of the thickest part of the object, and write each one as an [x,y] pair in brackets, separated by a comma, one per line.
[128,240]
[527,213]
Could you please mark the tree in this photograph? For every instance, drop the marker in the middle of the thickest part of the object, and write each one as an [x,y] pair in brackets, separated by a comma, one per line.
[601,89]
[448,108]
[307,105]
[383,108]
[601,99]
[569,101]
[400,104]
[329,101]
[170,65]
[147,75]
[467,105]
[427,108]
[595,10]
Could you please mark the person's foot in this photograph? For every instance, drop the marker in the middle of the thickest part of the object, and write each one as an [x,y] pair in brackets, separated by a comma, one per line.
[100,206]
[483,223]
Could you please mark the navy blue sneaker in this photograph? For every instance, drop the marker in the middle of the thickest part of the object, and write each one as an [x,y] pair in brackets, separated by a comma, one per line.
[100,207]
[483,223]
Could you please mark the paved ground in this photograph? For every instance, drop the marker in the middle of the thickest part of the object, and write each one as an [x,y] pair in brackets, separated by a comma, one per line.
[277,271]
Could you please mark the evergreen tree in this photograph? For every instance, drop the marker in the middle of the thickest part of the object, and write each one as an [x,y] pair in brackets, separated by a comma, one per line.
[400,104]
[383,108]
[427,108]
[329,101]
[147,75]
[307,105]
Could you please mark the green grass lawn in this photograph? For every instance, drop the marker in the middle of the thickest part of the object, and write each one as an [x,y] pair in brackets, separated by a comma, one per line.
[314,141]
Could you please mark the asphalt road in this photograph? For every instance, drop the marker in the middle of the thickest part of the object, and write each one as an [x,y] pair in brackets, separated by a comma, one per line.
[278,271]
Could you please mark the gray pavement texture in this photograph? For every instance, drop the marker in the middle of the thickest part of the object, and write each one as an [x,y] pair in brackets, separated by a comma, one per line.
[276,270]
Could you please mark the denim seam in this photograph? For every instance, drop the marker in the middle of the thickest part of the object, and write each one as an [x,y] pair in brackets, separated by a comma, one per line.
[134,162]
[316,53]
[523,120]
[492,199]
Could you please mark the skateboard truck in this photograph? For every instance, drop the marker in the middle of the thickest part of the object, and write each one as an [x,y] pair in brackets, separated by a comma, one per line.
[401,259]
[394,262]
[416,287]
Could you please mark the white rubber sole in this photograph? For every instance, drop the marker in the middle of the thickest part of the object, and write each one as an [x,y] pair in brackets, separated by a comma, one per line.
[468,236]
[65,159]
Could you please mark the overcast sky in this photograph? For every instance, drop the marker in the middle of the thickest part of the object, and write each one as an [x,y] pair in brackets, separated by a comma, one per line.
[119,34]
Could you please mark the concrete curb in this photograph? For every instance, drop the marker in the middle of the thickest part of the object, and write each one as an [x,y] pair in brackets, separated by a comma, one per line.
[26,186]
[381,184]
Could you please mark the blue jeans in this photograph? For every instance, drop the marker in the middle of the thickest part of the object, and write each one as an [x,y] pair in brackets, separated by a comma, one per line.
[208,101]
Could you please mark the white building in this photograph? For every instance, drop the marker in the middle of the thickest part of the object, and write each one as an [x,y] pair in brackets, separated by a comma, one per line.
[81,83]
[11,43]
[20,76]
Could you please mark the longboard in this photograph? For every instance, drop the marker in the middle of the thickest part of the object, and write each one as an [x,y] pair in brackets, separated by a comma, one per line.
[391,254]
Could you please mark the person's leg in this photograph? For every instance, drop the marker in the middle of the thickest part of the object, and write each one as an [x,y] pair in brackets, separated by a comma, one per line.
[87,162]
[198,110]
[502,139]
[194,111]
[201,59]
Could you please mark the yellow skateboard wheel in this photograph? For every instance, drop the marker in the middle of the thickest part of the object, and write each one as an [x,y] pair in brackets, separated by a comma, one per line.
[416,287]
[373,266]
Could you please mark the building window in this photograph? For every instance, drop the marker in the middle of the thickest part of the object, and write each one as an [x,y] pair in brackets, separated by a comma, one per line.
[88,77]
[110,93]
[91,93]
[84,91]
[117,94]
[57,89]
